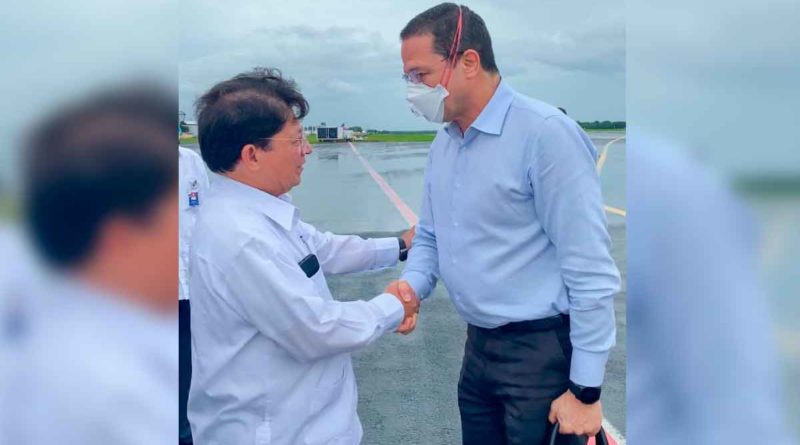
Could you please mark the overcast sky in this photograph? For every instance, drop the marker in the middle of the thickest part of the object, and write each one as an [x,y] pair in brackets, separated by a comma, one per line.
[725,87]
[345,56]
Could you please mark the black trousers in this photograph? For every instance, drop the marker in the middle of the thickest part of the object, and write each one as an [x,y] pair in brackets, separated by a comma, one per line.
[509,377]
[184,370]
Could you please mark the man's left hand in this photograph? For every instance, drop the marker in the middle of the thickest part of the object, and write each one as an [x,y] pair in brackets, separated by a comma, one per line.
[574,416]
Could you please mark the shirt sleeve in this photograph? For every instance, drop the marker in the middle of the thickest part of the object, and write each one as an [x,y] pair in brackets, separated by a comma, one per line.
[569,204]
[339,254]
[422,266]
[275,296]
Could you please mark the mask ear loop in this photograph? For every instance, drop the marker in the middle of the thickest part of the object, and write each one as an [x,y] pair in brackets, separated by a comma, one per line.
[454,49]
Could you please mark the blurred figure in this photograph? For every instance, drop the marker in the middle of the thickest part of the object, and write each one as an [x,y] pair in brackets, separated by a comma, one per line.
[99,364]
[18,273]
[712,165]
[702,365]
[192,186]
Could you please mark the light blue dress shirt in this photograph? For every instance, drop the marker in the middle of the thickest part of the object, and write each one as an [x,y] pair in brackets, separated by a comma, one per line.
[512,220]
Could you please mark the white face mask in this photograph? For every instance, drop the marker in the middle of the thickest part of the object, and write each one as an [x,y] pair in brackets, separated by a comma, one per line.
[426,101]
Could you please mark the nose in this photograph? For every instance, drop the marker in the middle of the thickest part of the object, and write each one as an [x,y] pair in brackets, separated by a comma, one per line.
[307,149]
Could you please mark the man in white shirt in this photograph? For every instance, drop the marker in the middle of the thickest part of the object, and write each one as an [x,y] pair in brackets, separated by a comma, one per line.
[271,347]
[192,189]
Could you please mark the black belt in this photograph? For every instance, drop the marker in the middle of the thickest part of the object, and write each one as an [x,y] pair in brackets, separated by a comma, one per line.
[542,324]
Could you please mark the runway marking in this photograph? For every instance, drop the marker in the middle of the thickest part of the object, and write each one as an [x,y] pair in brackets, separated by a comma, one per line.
[402,207]
[601,161]
[411,217]
[615,211]
[616,438]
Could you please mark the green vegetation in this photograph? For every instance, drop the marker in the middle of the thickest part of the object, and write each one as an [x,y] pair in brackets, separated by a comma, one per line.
[604,125]
[8,207]
[400,137]
[427,136]
[188,139]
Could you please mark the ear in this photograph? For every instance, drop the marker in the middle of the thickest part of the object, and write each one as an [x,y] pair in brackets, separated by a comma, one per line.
[248,157]
[472,63]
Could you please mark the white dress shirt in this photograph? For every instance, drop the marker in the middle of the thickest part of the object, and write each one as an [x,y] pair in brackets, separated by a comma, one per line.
[192,187]
[270,347]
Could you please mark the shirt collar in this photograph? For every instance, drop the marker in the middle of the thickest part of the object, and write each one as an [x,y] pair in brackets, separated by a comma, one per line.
[278,208]
[494,113]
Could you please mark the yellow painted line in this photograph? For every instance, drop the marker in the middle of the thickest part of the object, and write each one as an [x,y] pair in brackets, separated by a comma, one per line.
[601,161]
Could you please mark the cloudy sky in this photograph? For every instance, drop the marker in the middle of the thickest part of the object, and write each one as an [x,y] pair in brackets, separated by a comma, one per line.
[55,52]
[346,55]
[724,87]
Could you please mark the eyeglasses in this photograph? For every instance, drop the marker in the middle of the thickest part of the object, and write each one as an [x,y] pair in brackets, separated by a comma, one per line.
[414,76]
[300,142]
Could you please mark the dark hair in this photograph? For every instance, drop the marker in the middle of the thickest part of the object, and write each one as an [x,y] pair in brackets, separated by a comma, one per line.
[245,110]
[441,22]
[111,154]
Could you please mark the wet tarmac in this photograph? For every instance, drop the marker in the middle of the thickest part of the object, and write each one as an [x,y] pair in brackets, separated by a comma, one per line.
[407,384]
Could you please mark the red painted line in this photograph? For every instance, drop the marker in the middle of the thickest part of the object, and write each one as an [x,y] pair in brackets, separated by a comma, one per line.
[402,207]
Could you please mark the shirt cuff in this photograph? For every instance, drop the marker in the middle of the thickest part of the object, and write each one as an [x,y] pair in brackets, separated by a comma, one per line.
[588,368]
[391,309]
[387,252]
[418,282]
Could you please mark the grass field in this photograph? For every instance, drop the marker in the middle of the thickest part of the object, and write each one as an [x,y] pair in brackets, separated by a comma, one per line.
[8,208]
[400,137]
[188,140]
[388,137]
[381,137]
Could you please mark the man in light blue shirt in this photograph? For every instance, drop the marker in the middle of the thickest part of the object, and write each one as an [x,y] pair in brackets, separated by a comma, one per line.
[512,221]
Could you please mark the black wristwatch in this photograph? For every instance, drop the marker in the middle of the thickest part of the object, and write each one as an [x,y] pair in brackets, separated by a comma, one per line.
[403,249]
[586,394]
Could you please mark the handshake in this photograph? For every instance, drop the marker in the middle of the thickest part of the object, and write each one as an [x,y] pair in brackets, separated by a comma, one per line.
[403,291]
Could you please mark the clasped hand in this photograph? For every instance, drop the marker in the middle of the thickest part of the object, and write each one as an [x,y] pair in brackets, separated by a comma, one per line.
[405,293]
